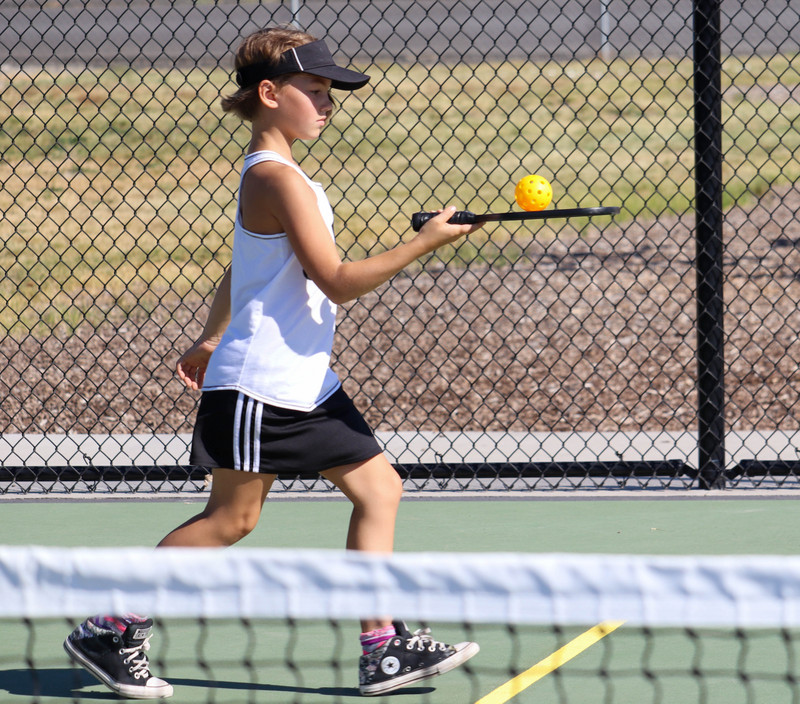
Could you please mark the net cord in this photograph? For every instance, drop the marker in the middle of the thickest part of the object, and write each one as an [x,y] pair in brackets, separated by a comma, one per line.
[740,591]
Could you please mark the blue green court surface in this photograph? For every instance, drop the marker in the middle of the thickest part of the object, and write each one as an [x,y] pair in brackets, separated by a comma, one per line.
[228,662]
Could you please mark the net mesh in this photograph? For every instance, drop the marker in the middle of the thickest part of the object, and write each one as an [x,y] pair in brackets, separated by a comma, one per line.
[254,625]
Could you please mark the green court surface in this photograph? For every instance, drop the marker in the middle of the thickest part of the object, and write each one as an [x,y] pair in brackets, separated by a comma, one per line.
[658,526]
[224,662]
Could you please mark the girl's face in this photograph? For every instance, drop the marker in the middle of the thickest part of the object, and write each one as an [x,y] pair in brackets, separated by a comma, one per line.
[305,104]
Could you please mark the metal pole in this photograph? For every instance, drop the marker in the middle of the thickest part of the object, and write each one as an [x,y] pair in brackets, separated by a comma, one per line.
[295,8]
[708,189]
[605,30]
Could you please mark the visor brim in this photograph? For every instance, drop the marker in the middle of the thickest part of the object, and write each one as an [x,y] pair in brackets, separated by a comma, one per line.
[313,58]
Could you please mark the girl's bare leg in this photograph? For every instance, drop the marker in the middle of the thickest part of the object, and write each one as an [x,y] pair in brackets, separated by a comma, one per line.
[232,511]
[374,488]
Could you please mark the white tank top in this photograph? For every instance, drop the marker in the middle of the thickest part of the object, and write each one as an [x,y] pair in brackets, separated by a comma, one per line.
[277,347]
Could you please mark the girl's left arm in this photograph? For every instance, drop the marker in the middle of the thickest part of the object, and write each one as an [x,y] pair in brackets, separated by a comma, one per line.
[192,365]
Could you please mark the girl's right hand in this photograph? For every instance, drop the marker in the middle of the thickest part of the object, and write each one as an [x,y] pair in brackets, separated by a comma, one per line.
[438,232]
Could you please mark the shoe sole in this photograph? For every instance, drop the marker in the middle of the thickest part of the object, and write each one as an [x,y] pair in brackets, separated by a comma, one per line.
[464,651]
[128,691]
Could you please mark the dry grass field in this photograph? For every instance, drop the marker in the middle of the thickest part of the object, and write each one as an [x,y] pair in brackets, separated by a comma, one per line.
[115,195]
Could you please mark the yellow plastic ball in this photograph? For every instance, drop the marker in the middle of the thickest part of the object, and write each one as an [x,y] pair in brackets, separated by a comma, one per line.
[533,193]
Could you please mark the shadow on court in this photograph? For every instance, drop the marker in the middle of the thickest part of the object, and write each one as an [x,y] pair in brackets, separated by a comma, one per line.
[58,682]
[322,691]
[64,683]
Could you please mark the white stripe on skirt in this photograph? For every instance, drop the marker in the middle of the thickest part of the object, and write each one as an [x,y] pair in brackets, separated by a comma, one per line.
[248,419]
[247,433]
[257,437]
[237,416]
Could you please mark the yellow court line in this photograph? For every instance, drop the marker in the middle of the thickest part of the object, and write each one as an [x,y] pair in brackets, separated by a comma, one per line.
[552,662]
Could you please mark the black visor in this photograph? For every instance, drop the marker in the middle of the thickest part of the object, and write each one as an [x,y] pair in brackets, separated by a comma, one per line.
[313,58]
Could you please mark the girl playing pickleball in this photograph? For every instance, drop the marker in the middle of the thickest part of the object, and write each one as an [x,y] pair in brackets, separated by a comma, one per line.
[271,405]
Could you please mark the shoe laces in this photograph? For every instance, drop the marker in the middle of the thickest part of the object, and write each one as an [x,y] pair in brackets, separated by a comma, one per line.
[136,658]
[420,639]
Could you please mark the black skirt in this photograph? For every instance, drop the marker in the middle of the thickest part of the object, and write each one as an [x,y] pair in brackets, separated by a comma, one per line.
[234,431]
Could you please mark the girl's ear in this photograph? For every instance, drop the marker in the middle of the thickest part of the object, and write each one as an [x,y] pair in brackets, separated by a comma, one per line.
[267,92]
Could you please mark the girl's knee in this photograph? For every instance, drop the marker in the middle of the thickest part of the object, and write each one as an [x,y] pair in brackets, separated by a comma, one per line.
[234,507]
[242,528]
[387,492]
[231,527]
[395,487]
[372,483]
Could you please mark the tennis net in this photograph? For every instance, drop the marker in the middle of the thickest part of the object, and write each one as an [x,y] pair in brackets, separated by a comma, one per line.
[255,625]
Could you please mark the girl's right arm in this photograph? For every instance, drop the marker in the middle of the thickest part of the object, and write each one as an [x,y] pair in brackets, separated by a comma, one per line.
[193,363]
[277,199]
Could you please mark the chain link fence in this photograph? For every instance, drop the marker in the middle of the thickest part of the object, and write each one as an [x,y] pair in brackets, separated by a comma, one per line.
[555,355]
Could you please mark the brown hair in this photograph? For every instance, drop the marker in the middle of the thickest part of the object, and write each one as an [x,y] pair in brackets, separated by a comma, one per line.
[263,45]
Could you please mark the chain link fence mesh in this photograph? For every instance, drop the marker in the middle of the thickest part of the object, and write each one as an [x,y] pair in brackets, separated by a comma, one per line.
[554,355]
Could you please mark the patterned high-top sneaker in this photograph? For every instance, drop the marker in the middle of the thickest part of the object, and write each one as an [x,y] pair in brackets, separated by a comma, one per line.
[113,650]
[407,658]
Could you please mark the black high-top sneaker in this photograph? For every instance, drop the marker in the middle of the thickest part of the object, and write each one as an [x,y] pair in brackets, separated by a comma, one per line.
[407,658]
[113,650]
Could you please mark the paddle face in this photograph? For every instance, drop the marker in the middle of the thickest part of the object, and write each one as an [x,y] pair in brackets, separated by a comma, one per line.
[465,217]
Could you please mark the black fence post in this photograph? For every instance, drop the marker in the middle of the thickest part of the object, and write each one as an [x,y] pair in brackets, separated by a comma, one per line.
[708,189]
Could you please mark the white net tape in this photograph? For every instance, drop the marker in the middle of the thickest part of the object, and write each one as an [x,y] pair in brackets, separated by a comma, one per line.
[477,588]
